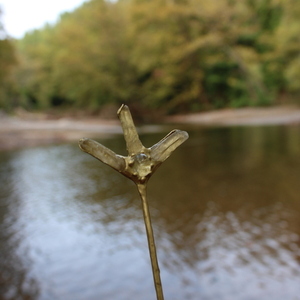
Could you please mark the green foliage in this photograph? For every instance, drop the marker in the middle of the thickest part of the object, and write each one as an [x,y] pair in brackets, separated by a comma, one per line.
[171,55]
[82,61]
[7,62]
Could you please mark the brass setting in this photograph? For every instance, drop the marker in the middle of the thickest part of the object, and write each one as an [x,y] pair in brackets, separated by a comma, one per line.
[138,166]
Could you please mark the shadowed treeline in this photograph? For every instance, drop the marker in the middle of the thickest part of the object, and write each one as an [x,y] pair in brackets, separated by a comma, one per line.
[166,55]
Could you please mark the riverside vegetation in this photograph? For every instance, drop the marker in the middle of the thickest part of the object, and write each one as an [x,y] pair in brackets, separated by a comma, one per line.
[162,55]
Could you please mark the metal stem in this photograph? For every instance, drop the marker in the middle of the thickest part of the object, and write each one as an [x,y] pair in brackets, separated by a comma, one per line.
[151,242]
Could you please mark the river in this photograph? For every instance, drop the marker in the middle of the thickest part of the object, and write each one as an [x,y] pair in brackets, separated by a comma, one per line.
[225,210]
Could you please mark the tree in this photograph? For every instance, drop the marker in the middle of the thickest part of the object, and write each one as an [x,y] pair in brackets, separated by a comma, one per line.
[204,53]
[171,55]
[81,61]
[7,62]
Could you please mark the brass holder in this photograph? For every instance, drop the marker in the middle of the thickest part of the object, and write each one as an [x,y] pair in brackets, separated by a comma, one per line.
[138,166]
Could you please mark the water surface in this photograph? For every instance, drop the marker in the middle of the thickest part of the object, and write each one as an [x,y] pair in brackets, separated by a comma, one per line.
[225,209]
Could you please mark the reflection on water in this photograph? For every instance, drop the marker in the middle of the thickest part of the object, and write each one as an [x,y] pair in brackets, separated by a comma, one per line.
[225,208]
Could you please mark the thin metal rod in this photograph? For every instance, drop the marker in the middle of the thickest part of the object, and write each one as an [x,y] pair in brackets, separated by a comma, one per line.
[151,243]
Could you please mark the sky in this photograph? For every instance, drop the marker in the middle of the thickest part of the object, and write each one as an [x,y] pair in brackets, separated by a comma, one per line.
[20,16]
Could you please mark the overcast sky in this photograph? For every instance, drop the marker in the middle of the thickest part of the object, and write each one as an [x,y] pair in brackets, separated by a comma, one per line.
[19,16]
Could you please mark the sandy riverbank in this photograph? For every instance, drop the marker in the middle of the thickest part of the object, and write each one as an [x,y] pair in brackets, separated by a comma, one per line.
[16,132]
[32,130]
[243,116]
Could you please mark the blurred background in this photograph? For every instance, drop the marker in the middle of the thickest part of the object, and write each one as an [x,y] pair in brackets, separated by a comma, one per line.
[169,56]
[225,206]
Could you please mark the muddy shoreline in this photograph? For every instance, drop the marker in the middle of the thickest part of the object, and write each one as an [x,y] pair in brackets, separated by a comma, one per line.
[33,130]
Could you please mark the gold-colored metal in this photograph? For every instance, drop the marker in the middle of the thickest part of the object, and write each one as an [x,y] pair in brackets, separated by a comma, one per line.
[138,166]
